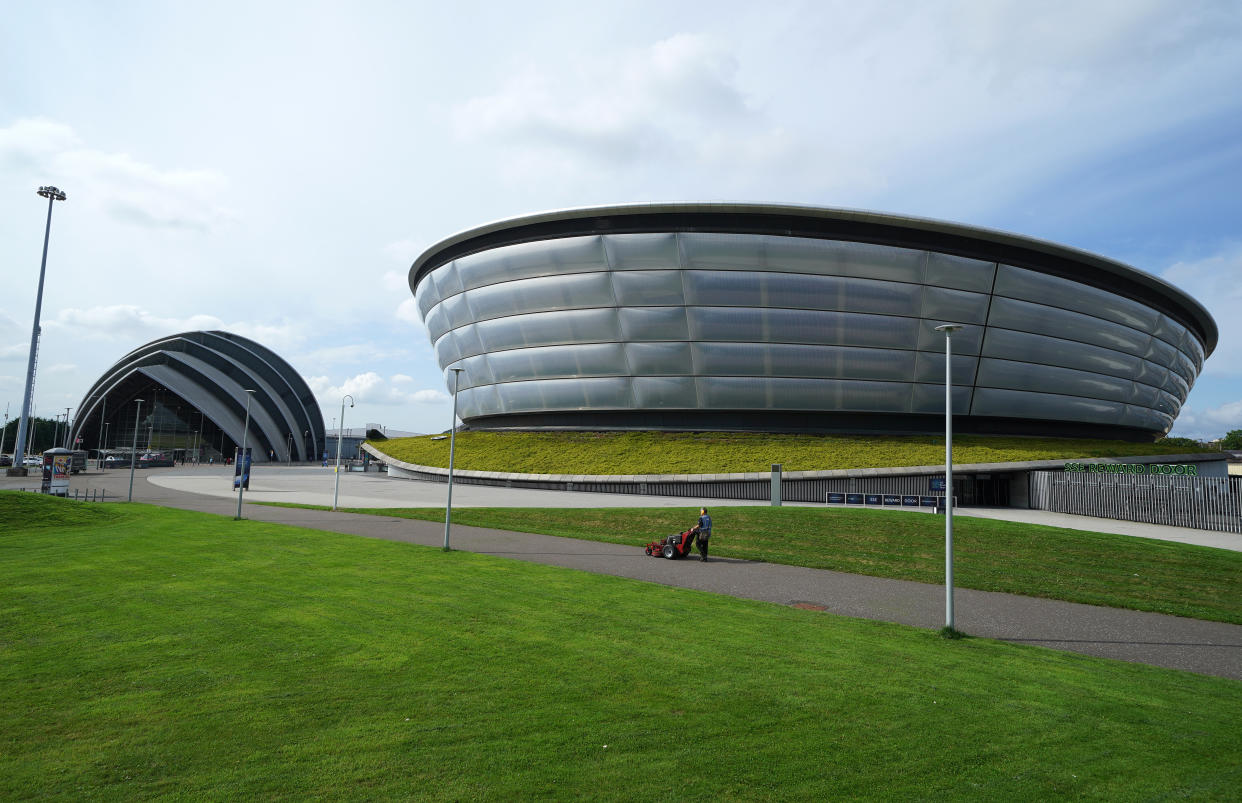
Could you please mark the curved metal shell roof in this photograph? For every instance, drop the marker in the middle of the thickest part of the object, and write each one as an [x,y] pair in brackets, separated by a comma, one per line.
[213,370]
[839,224]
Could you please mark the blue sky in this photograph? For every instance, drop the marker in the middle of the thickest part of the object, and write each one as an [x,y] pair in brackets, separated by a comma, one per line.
[273,168]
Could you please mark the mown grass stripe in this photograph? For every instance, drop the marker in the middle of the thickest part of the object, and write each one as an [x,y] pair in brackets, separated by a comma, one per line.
[177,654]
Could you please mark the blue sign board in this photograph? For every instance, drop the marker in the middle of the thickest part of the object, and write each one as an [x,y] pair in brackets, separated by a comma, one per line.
[241,469]
[836,499]
[873,499]
[910,501]
[853,499]
[935,484]
[928,501]
[892,499]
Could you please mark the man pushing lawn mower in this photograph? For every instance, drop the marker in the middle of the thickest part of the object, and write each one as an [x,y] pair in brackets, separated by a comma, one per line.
[678,545]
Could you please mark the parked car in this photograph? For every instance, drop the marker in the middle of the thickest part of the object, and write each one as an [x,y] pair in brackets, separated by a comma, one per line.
[116,461]
[155,460]
[34,460]
[5,460]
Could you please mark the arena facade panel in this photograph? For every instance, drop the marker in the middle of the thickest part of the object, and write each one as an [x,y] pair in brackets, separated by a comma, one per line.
[786,318]
[193,386]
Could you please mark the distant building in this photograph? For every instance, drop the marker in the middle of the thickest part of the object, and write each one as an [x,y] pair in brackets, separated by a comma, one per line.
[705,316]
[352,439]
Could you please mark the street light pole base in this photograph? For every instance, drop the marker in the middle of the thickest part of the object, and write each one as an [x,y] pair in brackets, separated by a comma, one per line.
[16,471]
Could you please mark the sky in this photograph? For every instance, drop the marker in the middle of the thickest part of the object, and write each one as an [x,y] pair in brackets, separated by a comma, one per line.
[274,168]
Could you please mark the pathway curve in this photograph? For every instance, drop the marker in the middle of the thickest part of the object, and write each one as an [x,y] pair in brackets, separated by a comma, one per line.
[1210,648]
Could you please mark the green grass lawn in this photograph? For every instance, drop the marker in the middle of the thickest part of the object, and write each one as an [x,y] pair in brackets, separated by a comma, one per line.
[1014,557]
[152,652]
[730,453]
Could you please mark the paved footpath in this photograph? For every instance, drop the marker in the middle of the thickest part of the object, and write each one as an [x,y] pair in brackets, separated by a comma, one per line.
[1210,648]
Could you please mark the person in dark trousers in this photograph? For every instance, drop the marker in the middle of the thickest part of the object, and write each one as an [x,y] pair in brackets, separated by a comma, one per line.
[704,533]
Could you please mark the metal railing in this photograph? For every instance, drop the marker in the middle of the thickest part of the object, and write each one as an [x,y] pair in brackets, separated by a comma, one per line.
[1204,503]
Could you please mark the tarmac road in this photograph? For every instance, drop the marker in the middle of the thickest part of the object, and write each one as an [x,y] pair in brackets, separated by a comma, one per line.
[1210,648]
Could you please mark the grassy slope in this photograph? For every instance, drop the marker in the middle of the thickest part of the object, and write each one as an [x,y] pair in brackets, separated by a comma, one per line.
[726,453]
[162,652]
[1013,557]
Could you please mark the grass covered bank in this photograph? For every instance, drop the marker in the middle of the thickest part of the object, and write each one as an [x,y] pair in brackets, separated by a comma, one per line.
[990,555]
[152,652]
[731,452]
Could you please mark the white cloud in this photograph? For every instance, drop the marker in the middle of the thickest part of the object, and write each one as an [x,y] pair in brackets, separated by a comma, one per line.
[1210,423]
[1109,126]
[353,355]
[129,322]
[8,326]
[396,280]
[1214,282]
[407,311]
[401,379]
[370,388]
[403,252]
[854,99]
[123,187]
[677,103]
[15,351]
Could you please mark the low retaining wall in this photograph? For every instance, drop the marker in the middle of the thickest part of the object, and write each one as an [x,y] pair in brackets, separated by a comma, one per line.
[796,486]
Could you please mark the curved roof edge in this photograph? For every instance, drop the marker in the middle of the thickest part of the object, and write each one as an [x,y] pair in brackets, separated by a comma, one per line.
[213,379]
[558,223]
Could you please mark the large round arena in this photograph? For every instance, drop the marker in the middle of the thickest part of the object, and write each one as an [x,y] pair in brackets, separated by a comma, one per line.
[707,316]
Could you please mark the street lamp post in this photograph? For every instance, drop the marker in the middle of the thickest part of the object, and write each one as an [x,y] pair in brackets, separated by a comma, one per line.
[19,448]
[102,461]
[289,455]
[198,438]
[448,505]
[241,467]
[103,407]
[948,330]
[67,443]
[339,434]
[133,452]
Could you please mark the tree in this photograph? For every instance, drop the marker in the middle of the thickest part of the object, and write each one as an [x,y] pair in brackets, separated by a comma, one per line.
[41,433]
[1232,440]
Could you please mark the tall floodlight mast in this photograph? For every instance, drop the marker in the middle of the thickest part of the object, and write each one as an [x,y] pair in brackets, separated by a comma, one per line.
[19,449]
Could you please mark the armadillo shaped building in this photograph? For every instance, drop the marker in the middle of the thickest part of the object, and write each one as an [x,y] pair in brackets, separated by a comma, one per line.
[194,388]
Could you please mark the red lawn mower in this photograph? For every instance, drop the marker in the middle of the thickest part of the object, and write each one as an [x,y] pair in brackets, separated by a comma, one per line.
[677,545]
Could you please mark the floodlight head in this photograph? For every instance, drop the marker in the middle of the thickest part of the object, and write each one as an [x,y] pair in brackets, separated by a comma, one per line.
[52,192]
[949,328]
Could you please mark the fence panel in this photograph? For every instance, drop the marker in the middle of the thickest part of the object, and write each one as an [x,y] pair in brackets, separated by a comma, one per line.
[1204,503]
